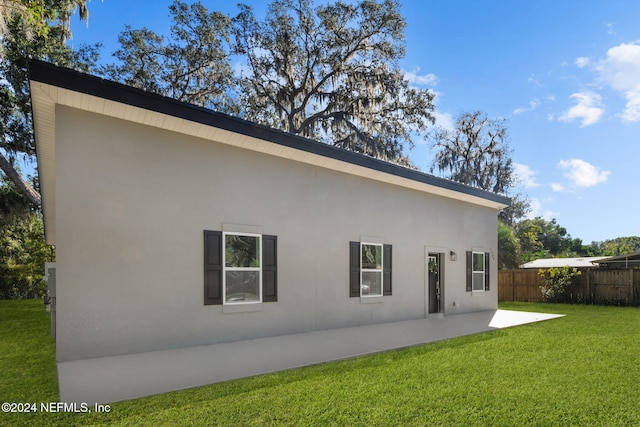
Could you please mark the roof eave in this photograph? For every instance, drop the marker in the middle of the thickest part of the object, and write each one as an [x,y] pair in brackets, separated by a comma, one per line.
[52,85]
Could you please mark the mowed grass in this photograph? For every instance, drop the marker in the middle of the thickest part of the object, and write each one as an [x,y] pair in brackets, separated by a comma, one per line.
[583,369]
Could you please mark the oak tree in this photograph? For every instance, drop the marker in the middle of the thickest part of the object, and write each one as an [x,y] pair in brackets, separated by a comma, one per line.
[31,29]
[190,65]
[475,152]
[331,73]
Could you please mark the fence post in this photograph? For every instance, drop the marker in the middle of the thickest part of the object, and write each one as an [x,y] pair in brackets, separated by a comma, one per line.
[630,271]
[588,285]
[513,285]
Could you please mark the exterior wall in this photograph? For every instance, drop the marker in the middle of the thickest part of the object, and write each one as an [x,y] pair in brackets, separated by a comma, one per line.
[132,204]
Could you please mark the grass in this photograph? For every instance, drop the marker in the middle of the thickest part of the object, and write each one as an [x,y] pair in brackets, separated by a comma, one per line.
[583,369]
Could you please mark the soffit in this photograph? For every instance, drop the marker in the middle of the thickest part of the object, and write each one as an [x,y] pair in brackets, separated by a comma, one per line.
[46,96]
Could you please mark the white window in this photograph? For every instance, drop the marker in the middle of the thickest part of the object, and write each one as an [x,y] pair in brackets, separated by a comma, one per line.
[371,269]
[242,276]
[478,274]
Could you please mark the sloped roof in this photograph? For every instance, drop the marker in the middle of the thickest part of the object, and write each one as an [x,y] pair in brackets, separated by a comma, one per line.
[52,85]
[622,260]
[580,262]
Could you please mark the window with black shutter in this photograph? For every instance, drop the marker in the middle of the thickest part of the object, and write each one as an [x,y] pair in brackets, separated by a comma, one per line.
[212,267]
[386,281]
[486,271]
[369,269]
[239,268]
[354,269]
[269,268]
[478,271]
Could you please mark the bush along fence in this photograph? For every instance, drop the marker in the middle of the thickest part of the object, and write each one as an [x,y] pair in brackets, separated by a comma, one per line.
[591,286]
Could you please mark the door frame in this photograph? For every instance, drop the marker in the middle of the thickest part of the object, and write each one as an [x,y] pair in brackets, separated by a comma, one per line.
[440,252]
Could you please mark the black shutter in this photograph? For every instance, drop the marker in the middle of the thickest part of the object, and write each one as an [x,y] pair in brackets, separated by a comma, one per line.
[212,267]
[354,269]
[469,271]
[269,268]
[486,271]
[386,270]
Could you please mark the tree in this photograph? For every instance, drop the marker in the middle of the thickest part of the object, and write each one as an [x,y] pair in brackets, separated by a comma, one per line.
[556,282]
[331,73]
[508,247]
[23,250]
[620,246]
[32,29]
[191,66]
[541,238]
[475,152]
[520,206]
[528,233]
[13,204]
[37,14]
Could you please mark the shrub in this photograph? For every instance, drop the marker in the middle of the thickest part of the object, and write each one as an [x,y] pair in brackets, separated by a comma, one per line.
[556,282]
[23,252]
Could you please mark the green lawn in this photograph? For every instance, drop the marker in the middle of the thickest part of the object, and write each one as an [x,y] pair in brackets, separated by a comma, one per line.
[583,369]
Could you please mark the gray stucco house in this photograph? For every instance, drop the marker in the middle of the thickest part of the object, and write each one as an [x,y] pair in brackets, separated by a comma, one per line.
[177,227]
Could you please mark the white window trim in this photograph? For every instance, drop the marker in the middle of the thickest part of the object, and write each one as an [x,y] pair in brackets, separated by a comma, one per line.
[473,272]
[372,270]
[225,268]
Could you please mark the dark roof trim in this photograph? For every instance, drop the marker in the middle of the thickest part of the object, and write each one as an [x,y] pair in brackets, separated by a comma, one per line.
[91,85]
[621,258]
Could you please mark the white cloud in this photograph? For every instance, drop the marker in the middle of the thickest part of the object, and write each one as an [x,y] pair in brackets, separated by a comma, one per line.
[632,109]
[557,187]
[537,210]
[525,175]
[588,109]
[620,70]
[534,81]
[444,120]
[428,79]
[582,62]
[582,174]
[621,66]
[533,104]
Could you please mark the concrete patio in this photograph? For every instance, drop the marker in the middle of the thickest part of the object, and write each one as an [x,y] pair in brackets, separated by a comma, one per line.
[135,375]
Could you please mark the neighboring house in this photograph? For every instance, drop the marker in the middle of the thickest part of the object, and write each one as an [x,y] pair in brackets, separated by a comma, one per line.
[176,226]
[580,262]
[616,262]
[621,261]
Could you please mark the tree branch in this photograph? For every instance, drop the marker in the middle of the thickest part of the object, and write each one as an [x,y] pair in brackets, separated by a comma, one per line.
[20,183]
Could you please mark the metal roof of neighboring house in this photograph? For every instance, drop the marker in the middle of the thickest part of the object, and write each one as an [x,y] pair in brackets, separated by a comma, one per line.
[622,261]
[52,85]
[580,262]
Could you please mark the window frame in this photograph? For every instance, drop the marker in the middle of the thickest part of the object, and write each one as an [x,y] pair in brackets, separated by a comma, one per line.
[474,272]
[372,270]
[226,269]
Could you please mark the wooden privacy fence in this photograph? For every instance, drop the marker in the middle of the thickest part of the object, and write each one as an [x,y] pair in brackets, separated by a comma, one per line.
[593,286]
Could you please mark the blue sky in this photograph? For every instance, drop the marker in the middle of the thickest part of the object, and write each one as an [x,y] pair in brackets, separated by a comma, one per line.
[565,74]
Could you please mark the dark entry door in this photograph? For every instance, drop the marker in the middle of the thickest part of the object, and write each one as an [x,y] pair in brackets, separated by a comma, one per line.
[434,273]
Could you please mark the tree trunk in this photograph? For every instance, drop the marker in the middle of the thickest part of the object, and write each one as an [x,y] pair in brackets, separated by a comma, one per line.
[23,186]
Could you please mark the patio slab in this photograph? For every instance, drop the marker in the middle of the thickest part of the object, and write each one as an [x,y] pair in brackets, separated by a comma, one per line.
[109,379]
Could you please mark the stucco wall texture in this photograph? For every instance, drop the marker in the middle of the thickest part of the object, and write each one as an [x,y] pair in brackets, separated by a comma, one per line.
[132,204]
